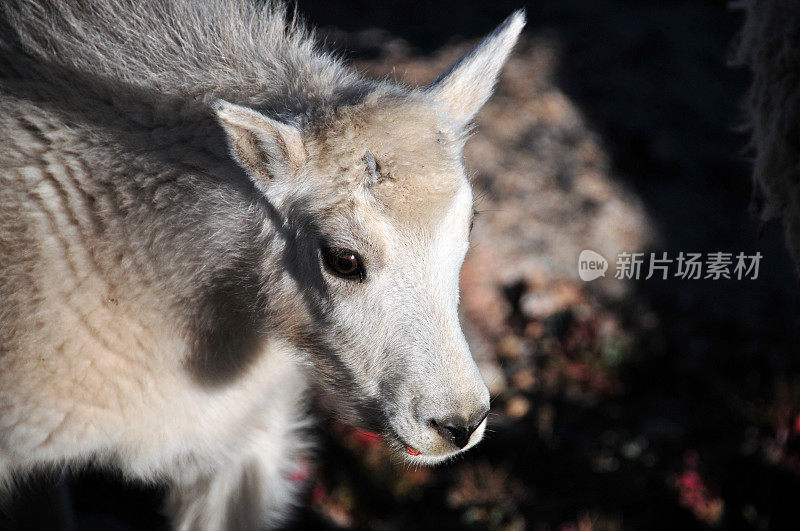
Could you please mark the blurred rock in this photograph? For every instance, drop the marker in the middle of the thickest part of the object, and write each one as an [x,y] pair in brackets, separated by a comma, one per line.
[524,379]
[517,407]
[539,304]
[513,347]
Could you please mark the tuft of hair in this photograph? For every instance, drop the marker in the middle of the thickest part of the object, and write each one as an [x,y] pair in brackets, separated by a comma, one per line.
[769,45]
[244,51]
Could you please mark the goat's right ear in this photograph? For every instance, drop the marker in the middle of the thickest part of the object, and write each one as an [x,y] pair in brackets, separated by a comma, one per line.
[264,147]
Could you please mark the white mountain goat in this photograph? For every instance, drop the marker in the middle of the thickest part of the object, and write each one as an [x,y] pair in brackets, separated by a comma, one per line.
[203,221]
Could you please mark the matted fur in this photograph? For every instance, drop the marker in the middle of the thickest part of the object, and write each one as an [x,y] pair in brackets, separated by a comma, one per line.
[172,174]
[769,45]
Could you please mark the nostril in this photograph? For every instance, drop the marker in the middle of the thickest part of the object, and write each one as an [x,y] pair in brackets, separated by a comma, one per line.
[460,434]
[457,433]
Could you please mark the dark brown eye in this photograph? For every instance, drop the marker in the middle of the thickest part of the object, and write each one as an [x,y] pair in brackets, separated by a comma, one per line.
[344,263]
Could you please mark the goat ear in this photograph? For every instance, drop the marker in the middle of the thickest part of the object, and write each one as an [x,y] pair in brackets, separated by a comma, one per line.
[264,147]
[465,87]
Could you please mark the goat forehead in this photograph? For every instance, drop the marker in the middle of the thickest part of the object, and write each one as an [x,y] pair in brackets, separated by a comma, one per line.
[419,191]
[423,185]
[421,164]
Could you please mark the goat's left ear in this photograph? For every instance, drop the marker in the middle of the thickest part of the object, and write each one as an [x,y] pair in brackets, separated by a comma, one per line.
[264,147]
[466,86]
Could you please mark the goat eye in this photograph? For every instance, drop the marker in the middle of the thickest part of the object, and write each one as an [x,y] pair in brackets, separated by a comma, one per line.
[344,263]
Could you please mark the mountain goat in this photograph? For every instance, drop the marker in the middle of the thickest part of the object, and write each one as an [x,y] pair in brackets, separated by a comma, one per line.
[203,221]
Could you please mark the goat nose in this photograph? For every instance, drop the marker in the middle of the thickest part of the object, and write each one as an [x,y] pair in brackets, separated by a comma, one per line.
[456,431]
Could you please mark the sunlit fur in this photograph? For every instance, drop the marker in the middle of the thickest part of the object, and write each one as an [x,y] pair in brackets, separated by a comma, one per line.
[170,171]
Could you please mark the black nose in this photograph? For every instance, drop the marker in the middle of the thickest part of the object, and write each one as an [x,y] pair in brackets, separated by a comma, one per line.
[457,431]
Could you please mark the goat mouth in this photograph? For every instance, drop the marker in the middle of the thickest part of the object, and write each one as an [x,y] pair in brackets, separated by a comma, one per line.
[410,450]
[390,435]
